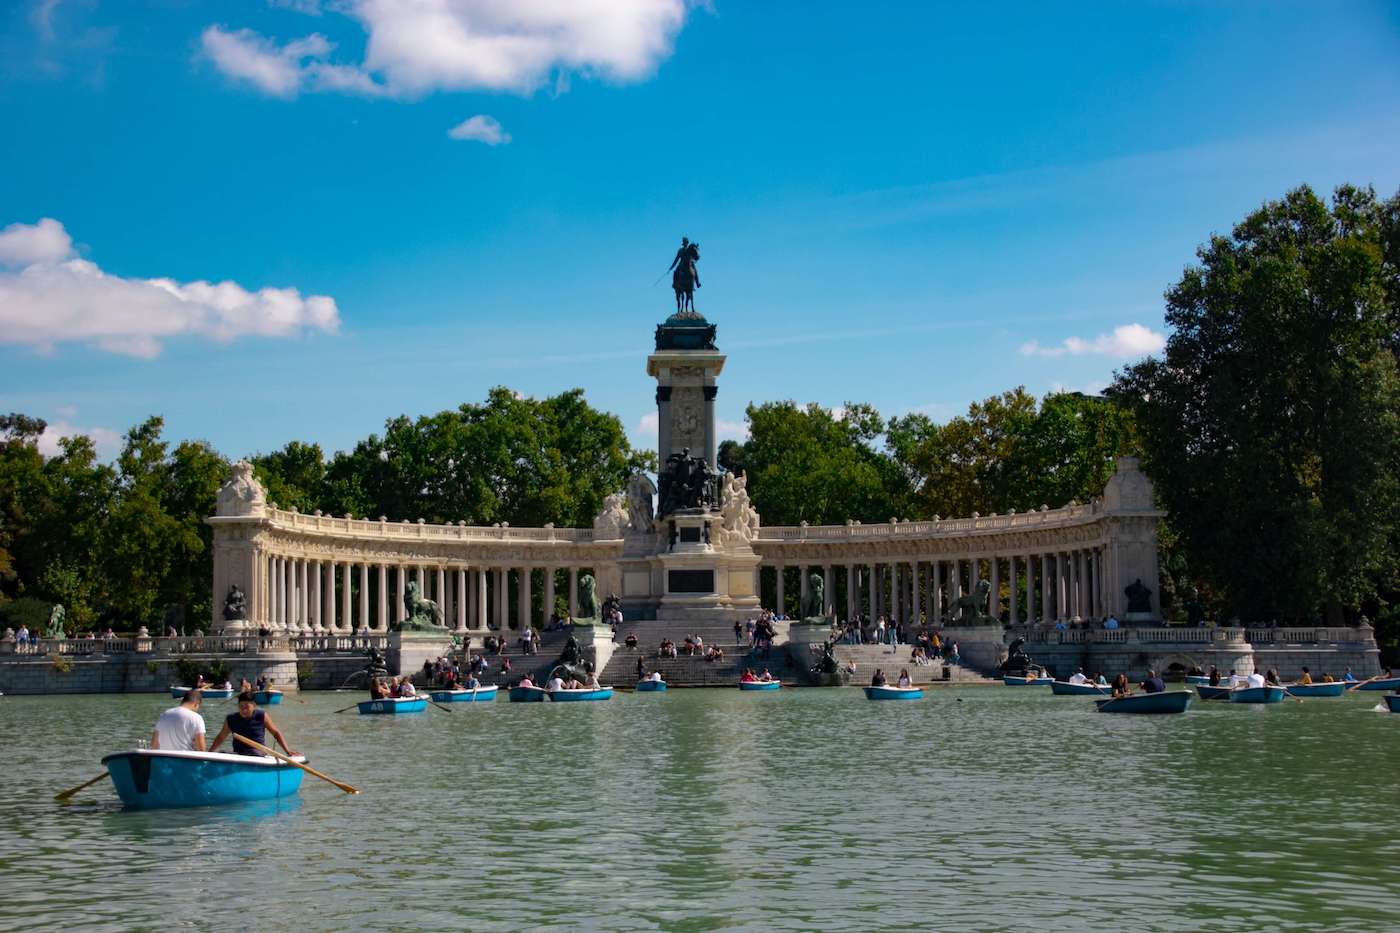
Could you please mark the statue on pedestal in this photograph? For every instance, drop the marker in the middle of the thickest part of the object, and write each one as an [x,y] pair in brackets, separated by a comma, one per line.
[424,615]
[56,619]
[685,276]
[686,483]
[235,605]
[815,606]
[587,599]
[1139,597]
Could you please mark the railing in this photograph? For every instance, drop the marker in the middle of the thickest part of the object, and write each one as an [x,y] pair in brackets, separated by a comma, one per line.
[422,531]
[1307,636]
[1071,514]
[1038,635]
[325,643]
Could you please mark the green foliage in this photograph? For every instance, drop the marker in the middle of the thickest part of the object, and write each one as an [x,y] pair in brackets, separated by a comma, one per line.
[187,671]
[809,463]
[305,671]
[27,611]
[1271,425]
[61,664]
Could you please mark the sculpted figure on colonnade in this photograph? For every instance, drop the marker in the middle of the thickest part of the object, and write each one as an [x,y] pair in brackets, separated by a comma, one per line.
[971,608]
[612,521]
[235,604]
[641,510]
[424,615]
[738,521]
[1139,596]
[815,606]
[242,494]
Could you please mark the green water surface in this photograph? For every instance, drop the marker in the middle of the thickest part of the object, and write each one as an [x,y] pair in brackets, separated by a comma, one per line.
[974,809]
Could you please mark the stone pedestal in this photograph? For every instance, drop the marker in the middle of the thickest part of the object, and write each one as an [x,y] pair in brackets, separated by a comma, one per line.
[408,650]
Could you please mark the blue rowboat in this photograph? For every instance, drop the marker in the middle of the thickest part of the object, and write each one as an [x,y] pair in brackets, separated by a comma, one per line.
[1063,688]
[210,693]
[1219,692]
[1013,681]
[393,705]
[527,694]
[1197,680]
[1174,701]
[148,779]
[479,695]
[894,693]
[1389,683]
[583,695]
[267,697]
[1392,702]
[651,686]
[1333,689]
[1264,694]
[759,684]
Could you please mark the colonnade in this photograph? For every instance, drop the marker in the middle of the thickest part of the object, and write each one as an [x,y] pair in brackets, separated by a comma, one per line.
[1050,586]
[309,595]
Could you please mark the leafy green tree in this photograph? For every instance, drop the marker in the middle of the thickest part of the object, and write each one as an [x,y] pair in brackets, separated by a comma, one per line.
[810,463]
[1270,427]
[194,473]
[142,544]
[292,477]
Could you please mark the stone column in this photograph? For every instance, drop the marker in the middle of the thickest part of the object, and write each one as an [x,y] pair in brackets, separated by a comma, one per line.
[364,597]
[1046,606]
[274,581]
[328,597]
[828,589]
[803,590]
[305,603]
[547,605]
[482,613]
[1015,617]
[711,441]
[502,599]
[781,580]
[870,589]
[1085,609]
[896,594]
[1096,590]
[461,600]
[1030,589]
[852,593]
[573,574]
[382,603]
[401,580]
[522,612]
[347,620]
[936,567]
[1061,592]
[994,598]
[974,574]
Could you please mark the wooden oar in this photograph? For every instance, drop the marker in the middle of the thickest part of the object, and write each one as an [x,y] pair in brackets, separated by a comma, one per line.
[445,709]
[347,709]
[292,761]
[1289,693]
[1362,683]
[65,795]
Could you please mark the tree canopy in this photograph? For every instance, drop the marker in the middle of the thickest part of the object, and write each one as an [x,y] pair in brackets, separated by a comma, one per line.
[1270,425]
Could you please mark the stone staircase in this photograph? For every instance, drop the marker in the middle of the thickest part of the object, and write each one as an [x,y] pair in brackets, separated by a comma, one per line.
[891,658]
[696,671]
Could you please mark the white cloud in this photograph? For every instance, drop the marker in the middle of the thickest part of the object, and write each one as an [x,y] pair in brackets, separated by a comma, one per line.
[309,7]
[59,298]
[107,441]
[482,129]
[1129,341]
[731,430]
[26,244]
[492,45]
[648,426]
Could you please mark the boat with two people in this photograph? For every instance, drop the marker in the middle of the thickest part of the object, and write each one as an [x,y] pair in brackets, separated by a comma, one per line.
[764,681]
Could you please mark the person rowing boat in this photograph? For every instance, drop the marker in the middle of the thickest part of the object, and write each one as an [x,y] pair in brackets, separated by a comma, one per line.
[251,723]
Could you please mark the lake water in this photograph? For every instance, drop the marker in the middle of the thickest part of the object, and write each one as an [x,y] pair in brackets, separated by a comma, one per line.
[976,808]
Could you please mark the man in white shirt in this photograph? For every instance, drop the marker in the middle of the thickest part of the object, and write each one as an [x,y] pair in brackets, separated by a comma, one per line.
[1078,677]
[181,728]
[655,676]
[555,683]
[1256,679]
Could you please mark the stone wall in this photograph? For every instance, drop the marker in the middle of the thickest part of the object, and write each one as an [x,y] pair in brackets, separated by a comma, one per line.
[38,675]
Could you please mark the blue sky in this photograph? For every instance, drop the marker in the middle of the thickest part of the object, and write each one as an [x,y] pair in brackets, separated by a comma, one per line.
[910,204]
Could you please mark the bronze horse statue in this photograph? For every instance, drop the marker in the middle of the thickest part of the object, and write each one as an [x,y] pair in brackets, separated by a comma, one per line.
[685,278]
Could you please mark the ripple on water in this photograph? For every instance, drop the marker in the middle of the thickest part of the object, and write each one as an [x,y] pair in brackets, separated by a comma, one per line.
[700,810]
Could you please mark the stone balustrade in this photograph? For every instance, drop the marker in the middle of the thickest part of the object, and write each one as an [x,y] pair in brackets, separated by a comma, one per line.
[320,643]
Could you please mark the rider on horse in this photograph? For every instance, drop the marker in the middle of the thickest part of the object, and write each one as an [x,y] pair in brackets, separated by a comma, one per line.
[686,277]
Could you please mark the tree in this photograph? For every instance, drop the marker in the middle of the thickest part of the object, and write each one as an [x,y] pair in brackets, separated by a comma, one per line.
[1270,426]
[813,464]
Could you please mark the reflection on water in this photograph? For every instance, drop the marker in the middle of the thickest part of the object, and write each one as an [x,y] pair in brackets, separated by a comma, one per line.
[976,808]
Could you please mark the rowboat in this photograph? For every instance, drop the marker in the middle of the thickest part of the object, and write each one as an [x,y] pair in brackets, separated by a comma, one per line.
[759,684]
[1264,694]
[209,693]
[651,686]
[478,695]
[1174,701]
[1218,692]
[1013,681]
[1063,688]
[527,694]
[580,695]
[1389,683]
[146,779]
[393,705]
[1331,689]
[894,693]
[1197,680]
[1392,702]
[267,697]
